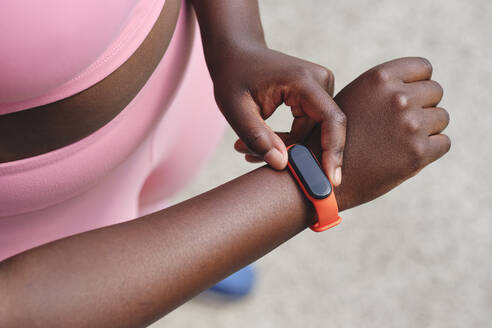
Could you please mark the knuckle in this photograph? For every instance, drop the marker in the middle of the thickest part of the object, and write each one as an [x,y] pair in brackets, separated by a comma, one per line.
[399,100]
[326,75]
[254,138]
[338,154]
[412,125]
[338,117]
[380,75]
[303,73]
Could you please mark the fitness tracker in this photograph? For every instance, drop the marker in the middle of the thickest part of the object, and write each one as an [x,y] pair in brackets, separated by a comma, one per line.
[313,182]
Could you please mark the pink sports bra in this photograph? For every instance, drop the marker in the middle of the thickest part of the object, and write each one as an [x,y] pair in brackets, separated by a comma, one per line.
[42,181]
[53,49]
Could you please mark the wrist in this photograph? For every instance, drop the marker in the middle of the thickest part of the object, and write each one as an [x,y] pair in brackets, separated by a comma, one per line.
[289,193]
[223,51]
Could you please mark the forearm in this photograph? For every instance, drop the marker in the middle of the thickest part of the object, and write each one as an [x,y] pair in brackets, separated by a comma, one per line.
[228,26]
[130,274]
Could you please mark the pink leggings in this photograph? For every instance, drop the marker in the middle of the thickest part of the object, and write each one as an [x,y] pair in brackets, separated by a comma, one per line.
[124,170]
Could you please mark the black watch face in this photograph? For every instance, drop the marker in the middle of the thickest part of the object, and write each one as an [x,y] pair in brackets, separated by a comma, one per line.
[308,170]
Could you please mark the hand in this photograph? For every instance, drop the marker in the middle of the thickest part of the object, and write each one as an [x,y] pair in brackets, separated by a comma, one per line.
[251,85]
[394,128]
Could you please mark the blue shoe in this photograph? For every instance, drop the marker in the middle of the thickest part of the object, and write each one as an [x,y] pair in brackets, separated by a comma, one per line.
[238,284]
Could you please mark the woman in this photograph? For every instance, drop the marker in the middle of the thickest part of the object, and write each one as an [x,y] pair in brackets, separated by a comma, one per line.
[116,156]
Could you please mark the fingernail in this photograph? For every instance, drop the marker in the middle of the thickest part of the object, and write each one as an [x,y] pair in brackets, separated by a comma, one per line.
[338,176]
[274,158]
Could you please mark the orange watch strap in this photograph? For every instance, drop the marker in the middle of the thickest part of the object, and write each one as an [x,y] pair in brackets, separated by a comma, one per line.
[327,212]
[326,208]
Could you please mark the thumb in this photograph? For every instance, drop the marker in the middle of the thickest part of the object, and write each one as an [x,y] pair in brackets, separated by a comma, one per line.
[245,117]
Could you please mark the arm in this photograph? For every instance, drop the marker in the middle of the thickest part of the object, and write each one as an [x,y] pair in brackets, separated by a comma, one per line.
[130,274]
[251,81]
[228,26]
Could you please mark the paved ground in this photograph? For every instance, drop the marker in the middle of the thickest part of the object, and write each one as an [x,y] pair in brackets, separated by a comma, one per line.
[420,256]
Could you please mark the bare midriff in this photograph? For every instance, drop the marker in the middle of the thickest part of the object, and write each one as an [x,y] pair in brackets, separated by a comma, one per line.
[46,128]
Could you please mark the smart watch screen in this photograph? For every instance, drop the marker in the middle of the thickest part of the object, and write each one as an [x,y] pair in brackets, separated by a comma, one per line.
[309,172]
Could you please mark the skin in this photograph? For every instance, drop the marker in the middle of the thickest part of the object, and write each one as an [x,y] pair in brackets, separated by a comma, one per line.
[46,128]
[251,81]
[393,109]
[130,274]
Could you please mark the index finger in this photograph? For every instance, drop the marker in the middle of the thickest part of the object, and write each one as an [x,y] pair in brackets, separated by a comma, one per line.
[407,69]
[319,106]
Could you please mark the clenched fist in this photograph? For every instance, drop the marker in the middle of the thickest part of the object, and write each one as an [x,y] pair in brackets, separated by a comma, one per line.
[394,128]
